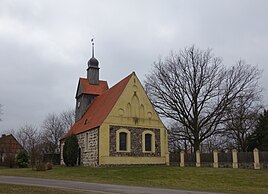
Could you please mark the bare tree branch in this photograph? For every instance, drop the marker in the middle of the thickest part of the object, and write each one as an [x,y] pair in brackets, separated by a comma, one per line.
[242,116]
[53,130]
[54,127]
[68,118]
[195,89]
[29,137]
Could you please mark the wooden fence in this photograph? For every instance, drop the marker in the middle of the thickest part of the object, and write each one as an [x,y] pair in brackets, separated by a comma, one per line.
[256,159]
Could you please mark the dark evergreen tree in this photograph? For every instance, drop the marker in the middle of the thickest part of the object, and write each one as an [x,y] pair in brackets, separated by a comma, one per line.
[22,159]
[70,150]
[259,138]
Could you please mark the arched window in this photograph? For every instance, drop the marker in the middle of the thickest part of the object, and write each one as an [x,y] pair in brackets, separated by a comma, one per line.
[123,140]
[148,141]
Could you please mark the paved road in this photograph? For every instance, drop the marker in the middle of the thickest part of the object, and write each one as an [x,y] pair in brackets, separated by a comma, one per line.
[96,187]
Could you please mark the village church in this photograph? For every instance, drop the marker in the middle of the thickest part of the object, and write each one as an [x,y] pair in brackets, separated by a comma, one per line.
[117,125]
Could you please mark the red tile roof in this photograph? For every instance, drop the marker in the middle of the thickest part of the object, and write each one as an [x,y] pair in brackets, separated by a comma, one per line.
[87,88]
[9,144]
[99,109]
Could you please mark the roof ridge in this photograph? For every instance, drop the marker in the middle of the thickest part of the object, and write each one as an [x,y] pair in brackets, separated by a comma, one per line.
[86,79]
[115,85]
[100,108]
[101,95]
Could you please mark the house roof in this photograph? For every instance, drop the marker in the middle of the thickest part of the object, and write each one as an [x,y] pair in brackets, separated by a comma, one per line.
[99,109]
[9,144]
[87,88]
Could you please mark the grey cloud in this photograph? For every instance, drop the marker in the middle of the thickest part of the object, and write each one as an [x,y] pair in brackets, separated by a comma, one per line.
[45,45]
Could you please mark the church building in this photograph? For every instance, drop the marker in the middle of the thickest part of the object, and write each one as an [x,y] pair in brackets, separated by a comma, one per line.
[117,125]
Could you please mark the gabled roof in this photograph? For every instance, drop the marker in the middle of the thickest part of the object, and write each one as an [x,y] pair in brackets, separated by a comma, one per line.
[99,109]
[9,144]
[84,87]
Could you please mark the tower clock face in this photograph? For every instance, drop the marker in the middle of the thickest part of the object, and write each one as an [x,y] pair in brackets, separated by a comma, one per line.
[78,104]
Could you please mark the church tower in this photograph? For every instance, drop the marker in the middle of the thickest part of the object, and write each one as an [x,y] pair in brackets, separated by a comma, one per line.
[93,68]
[89,88]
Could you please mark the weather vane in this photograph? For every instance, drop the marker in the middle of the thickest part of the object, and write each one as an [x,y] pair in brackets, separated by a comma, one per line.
[92,43]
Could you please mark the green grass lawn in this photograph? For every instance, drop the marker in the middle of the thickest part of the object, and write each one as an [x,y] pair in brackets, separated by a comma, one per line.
[188,178]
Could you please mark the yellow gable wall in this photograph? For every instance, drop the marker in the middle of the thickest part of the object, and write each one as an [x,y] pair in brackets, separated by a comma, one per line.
[133,109]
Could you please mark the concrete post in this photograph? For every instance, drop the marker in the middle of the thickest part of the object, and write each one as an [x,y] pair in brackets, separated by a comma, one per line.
[61,154]
[256,158]
[182,159]
[235,161]
[215,159]
[197,156]
[167,159]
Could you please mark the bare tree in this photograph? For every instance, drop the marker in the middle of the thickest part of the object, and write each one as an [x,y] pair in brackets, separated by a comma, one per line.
[29,137]
[195,89]
[68,118]
[176,140]
[53,130]
[242,116]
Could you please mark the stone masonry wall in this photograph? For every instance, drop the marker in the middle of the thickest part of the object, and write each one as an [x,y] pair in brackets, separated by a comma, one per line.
[136,142]
[89,155]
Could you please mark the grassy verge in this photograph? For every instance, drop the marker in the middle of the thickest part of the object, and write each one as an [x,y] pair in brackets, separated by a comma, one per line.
[190,178]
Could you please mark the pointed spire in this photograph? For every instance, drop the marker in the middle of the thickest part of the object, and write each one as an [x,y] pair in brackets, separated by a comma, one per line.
[93,61]
[92,44]
[93,67]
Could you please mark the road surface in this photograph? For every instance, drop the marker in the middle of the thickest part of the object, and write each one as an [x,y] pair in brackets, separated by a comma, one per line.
[93,187]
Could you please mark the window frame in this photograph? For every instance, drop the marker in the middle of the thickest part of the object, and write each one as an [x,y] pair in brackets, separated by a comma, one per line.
[123,145]
[152,141]
[148,137]
[128,140]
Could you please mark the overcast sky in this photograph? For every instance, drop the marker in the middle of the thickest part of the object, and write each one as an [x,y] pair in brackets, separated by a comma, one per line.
[45,44]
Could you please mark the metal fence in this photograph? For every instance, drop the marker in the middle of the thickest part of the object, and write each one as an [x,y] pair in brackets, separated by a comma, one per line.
[224,160]
[206,159]
[264,159]
[245,159]
[189,159]
[174,158]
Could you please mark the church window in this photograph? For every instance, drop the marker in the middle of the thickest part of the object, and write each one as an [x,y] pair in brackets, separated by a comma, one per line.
[148,141]
[122,140]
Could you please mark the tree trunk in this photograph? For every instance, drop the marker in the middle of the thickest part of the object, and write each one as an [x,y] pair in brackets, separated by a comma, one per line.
[196,145]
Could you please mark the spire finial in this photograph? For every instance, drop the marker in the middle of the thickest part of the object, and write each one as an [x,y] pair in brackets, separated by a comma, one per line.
[93,61]
[92,44]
